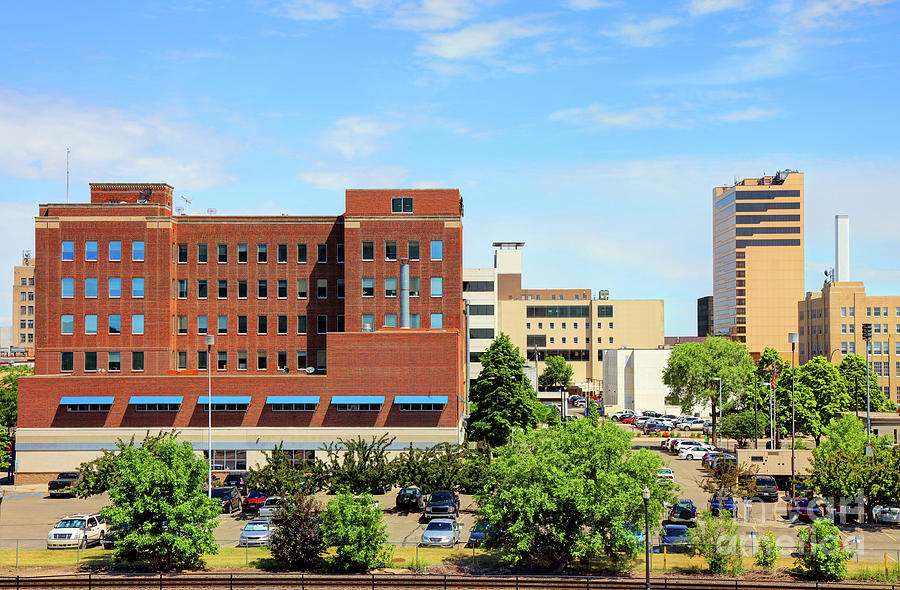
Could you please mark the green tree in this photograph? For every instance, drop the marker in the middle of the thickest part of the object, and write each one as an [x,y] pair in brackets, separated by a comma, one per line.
[557,373]
[357,533]
[560,494]
[716,539]
[502,398]
[740,425]
[853,370]
[297,539]
[157,495]
[280,477]
[819,392]
[822,555]
[100,475]
[692,366]
[359,465]
[440,467]
[767,552]
[9,393]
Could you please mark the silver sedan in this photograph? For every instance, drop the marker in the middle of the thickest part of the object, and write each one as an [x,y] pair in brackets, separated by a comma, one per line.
[441,532]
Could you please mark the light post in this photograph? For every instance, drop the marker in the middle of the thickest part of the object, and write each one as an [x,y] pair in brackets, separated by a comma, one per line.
[756,418]
[645,494]
[716,430]
[210,341]
[867,338]
[793,338]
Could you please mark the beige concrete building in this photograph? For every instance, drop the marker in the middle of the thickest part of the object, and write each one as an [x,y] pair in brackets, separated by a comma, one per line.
[758,260]
[23,305]
[566,322]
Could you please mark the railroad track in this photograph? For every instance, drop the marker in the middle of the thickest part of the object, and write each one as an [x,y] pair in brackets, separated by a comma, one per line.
[402,582]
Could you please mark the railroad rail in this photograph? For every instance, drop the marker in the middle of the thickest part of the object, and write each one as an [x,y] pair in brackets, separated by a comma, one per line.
[406,582]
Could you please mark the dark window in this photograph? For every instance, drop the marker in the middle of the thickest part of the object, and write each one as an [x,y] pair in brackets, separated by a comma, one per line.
[242,288]
[242,252]
[202,291]
[262,252]
[357,407]
[340,323]
[182,252]
[223,252]
[748,219]
[412,250]
[478,286]
[340,253]
[301,252]
[301,360]
[401,205]
[321,288]
[262,324]
[766,194]
[90,361]
[137,360]
[762,207]
[340,288]
[557,311]
[321,253]
[390,250]
[604,311]
[67,361]
[221,363]
[475,357]
[262,359]
[481,310]
[750,231]
[201,253]
[536,340]
[368,250]
[420,407]
[223,289]
[301,324]
[242,324]
[481,333]
[282,324]
[294,408]
[182,289]
[281,360]
[569,355]
[262,289]
[321,324]
[282,288]
[156,407]
[746,243]
[201,360]
[282,252]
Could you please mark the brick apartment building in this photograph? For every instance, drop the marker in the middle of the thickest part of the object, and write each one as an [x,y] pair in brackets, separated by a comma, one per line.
[307,316]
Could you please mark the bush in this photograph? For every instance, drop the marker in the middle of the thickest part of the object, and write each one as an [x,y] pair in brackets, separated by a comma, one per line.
[768,551]
[356,531]
[715,538]
[822,554]
[297,540]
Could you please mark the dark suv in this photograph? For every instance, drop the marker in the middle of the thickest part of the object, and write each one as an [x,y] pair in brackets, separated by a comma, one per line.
[238,480]
[229,499]
[442,504]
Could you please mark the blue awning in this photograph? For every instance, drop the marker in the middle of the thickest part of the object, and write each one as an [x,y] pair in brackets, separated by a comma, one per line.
[77,401]
[224,399]
[154,399]
[420,399]
[292,399]
[357,399]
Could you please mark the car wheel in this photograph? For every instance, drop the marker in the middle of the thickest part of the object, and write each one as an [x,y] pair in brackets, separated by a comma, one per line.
[689,457]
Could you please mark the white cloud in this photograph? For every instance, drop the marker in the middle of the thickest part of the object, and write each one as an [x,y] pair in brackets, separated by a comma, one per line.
[357,136]
[748,114]
[599,116]
[589,4]
[700,7]
[332,178]
[108,144]
[643,33]
[479,40]
[434,14]
[308,9]
[819,13]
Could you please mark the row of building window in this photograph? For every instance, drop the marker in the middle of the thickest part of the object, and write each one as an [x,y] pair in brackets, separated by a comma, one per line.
[25,281]
[114,250]
[114,288]
[540,325]
[29,310]
[242,407]
[553,297]
[113,322]
[26,295]
[23,324]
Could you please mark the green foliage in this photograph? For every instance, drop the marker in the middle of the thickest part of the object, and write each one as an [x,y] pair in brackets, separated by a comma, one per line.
[357,533]
[767,552]
[9,393]
[821,554]
[550,415]
[819,393]
[280,477]
[740,425]
[691,367]
[557,372]
[297,540]
[739,481]
[157,493]
[716,539]
[502,397]
[441,467]
[359,465]
[560,494]
[5,441]
[101,474]
[853,370]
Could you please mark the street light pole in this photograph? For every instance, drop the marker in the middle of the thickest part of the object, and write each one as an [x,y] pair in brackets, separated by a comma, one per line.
[716,430]
[756,418]
[645,494]
[867,338]
[210,340]
[793,337]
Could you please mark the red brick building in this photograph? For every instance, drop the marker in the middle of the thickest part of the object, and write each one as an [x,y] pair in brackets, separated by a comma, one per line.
[305,312]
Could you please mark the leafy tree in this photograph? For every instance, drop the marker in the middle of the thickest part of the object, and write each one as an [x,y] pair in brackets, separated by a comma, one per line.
[853,370]
[819,392]
[740,426]
[356,531]
[5,442]
[716,539]
[502,398]
[440,467]
[559,494]
[737,481]
[157,495]
[297,539]
[9,393]
[822,555]
[280,477]
[557,372]
[691,367]
[767,552]
[100,475]
[359,465]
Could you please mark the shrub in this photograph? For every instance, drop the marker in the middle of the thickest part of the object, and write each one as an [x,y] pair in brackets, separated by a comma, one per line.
[715,538]
[357,532]
[822,554]
[767,552]
[297,540]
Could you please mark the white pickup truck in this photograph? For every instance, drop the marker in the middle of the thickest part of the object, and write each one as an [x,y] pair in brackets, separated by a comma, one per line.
[78,530]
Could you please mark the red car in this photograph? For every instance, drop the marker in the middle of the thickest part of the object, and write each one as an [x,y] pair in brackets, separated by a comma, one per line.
[628,420]
[253,501]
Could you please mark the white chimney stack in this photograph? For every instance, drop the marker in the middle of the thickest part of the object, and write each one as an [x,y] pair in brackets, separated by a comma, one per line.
[841,248]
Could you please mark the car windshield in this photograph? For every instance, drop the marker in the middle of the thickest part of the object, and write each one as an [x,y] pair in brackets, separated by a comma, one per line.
[765,481]
[665,470]
[439,526]
[233,479]
[271,502]
[71,523]
[221,493]
[675,530]
[256,494]
[685,504]
[256,526]
[442,498]
[68,475]
[409,491]
[481,527]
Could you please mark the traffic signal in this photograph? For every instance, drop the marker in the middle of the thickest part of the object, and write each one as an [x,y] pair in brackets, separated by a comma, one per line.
[867,332]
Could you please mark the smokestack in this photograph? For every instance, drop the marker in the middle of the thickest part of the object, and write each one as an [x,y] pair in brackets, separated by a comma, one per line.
[841,248]
[404,293]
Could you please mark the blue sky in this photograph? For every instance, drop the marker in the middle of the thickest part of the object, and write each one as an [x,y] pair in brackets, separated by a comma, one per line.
[591,130]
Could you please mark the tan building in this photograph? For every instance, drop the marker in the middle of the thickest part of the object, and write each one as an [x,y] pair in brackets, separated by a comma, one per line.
[566,322]
[23,306]
[758,260]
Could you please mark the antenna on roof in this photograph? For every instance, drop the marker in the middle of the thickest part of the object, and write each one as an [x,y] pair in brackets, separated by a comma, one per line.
[185,199]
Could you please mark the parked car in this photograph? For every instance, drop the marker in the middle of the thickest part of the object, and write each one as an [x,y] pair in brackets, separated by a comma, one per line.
[409,498]
[844,513]
[676,537]
[683,512]
[441,504]
[668,424]
[229,499]
[709,458]
[808,508]
[64,484]
[256,533]
[252,501]
[676,446]
[727,504]
[441,532]
[694,424]
[691,452]
[652,414]
[270,507]
[671,441]
[634,533]
[629,419]
[238,480]
[480,532]
[655,428]
[620,416]
[665,473]
[766,488]
[78,530]
[109,538]
[886,514]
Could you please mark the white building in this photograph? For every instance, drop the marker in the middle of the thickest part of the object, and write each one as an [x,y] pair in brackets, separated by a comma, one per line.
[633,380]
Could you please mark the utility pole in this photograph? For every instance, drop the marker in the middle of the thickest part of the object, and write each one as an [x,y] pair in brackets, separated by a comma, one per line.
[756,418]
[793,337]
[867,338]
